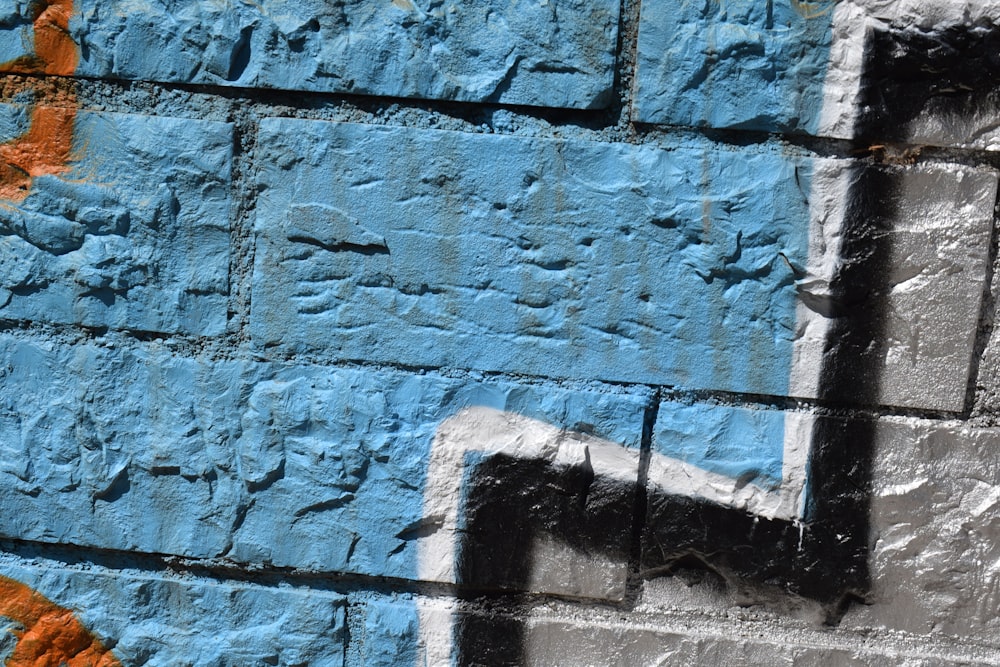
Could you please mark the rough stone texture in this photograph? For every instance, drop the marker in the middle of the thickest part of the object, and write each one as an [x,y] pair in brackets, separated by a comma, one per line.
[750,458]
[546,266]
[559,53]
[748,65]
[168,621]
[300,392]
[134,235]
[385,631]
[137,457]
[287,466]
[940,253]
[734,637]
[935,523]
[923,73]
[551,269]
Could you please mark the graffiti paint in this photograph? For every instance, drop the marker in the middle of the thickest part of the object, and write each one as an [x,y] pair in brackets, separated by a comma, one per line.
[719,280]
[47,634]
[88,246]
[45,148]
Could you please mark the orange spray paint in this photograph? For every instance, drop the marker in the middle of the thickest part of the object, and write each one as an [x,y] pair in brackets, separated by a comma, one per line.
[52,636]
[45,148]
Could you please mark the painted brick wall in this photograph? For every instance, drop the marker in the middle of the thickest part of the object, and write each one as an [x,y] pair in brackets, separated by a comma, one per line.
[557,332]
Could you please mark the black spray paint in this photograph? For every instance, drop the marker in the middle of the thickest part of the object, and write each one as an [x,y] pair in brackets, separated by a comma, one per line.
[907,76]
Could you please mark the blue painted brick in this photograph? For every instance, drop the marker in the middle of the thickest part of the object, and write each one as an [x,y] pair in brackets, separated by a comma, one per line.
[162,621]
[337,460]
[559,53]
[736,442]
[115,449]
[299,466]
[560,258]
[737,64]
[386,632]
[134,236]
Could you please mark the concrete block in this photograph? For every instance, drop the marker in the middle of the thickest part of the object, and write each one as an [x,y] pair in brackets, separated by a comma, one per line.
[914,72]
[754,459]
[150,619]
[385,631]
[940,255]
[394,474]
[376,473]
[745,64]
[917,72]
[639,641]
[132,232]
[558,54]
[503,253]
[935,530]
[116,449]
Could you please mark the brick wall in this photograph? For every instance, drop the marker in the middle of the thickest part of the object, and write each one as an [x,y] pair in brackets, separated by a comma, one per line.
[554,332]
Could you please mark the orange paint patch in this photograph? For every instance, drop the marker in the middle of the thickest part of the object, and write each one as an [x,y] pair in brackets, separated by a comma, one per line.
[53,44]
[52,636]
[45,148]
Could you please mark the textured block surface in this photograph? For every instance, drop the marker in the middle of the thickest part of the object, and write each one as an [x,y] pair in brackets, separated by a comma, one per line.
[923,73]
[509,254]
[134,234]
[940,257]
[935,499]
[750,458]
[293,466]
[744,64]
[556,258]
[163,621]
[137,457]
[559,53]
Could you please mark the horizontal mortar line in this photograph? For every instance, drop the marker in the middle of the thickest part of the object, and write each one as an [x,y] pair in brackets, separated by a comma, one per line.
[221,350]
[581,612]
[781,631]
[310,105]
[722,397]
[144,565]
[311,100]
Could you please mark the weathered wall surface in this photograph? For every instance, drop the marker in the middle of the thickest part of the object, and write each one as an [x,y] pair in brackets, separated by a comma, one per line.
[560,332]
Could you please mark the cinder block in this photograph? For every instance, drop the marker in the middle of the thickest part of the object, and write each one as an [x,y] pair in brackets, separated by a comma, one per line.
[753,459]
[512,254]
[121,450]
[921,73]
[748,65]
[423,477]
[940,255]
[385,631]
[132,233]
[555,642]
[935,531]
[557,54]
[376,473]
[695,267]
[161,620]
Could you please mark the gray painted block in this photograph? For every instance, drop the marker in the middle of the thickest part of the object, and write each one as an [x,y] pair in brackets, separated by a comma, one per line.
[940,255]
[935,531]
